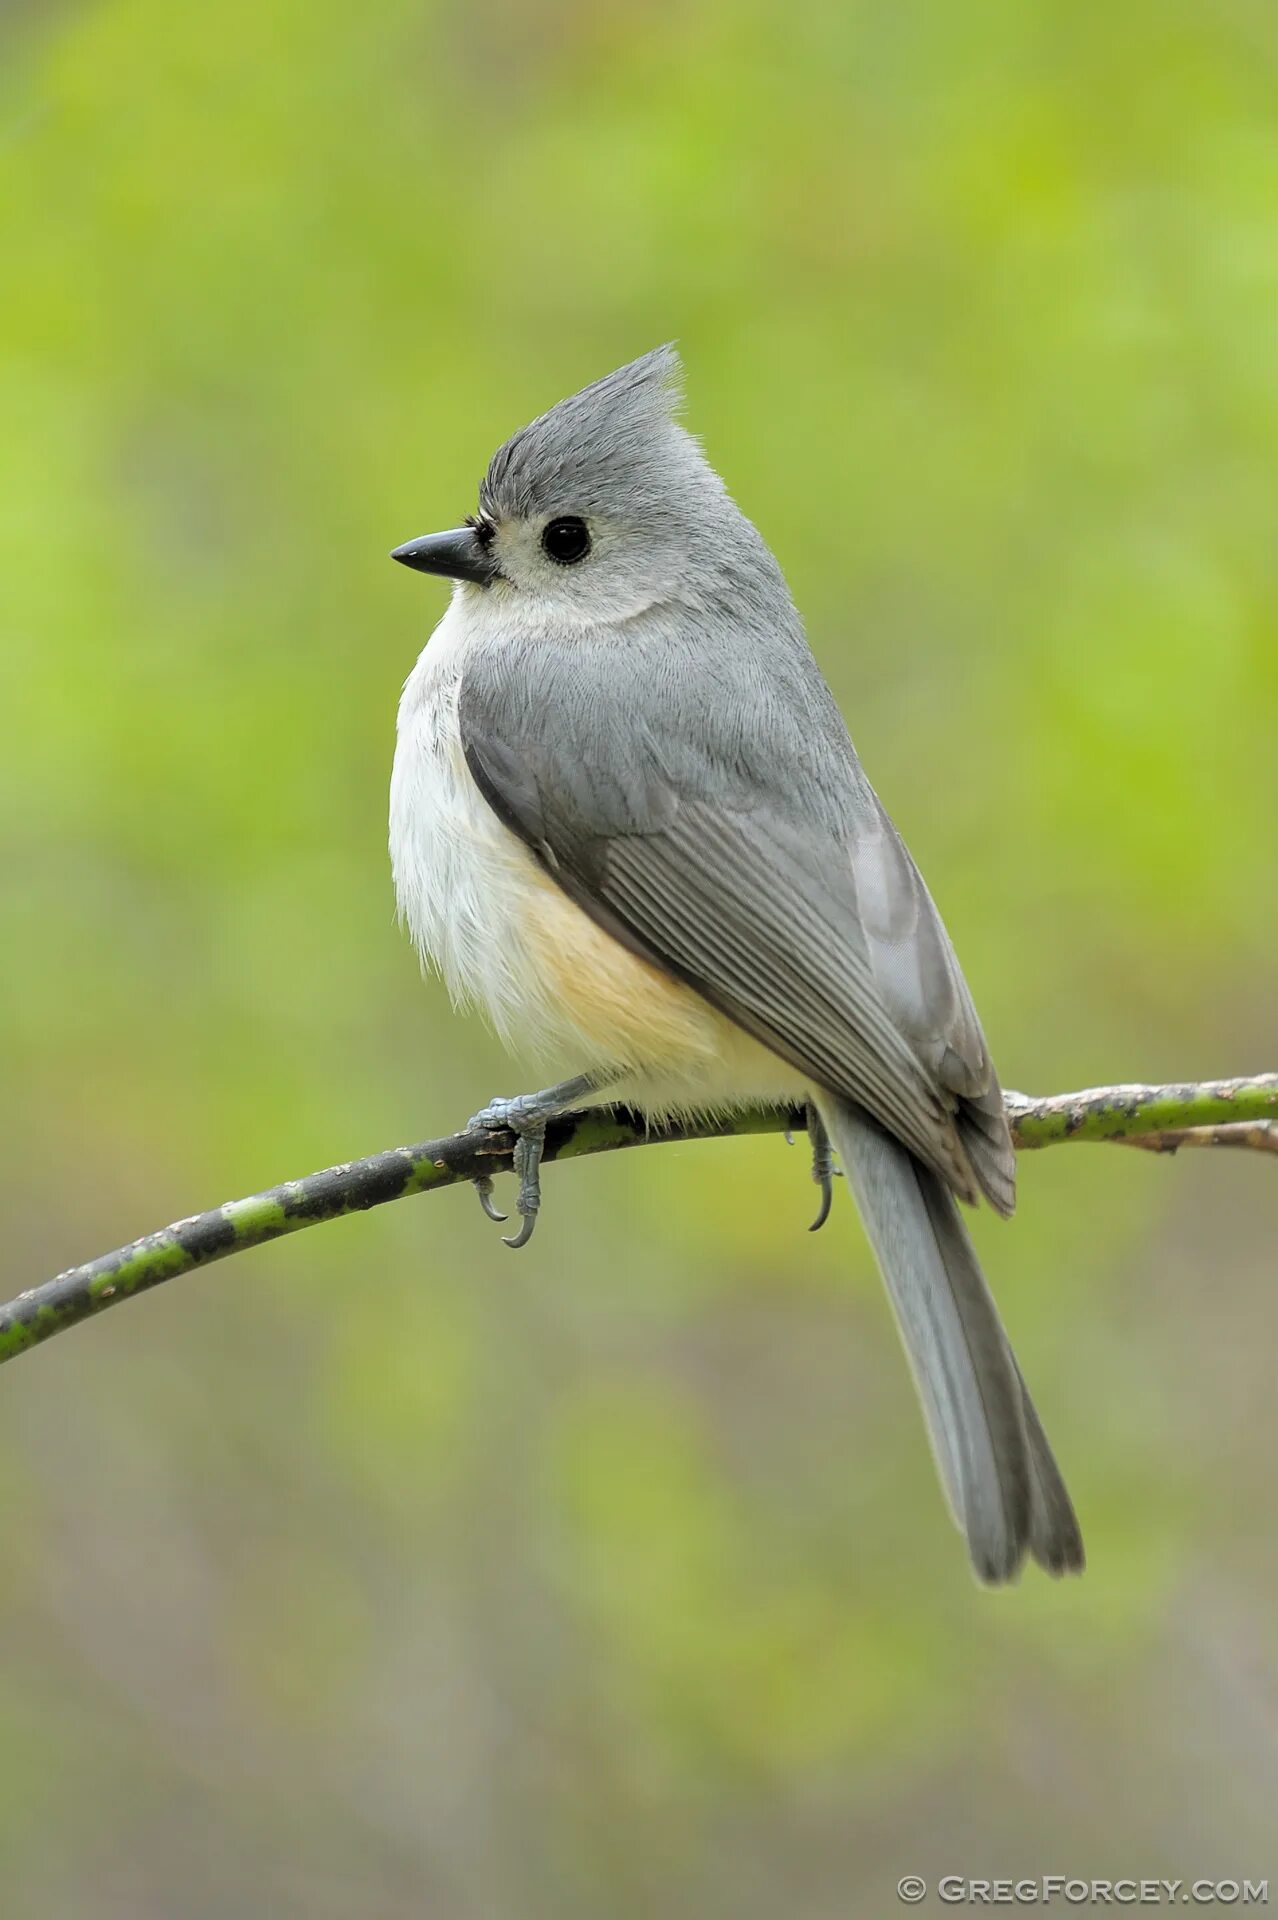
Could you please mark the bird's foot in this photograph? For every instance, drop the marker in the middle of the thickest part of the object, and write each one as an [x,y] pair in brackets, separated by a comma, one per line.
[526,1115]
[823,1167]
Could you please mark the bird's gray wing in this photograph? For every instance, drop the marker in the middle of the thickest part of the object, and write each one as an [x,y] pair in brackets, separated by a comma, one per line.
[719,825]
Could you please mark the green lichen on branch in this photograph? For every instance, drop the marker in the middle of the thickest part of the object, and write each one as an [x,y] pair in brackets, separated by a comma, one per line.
[1139,1113]
[1211,1113]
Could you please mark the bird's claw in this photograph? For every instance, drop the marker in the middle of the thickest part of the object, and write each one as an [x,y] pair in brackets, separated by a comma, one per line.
[527,1163]
[826,1183]
[823,1167]
[484,1190]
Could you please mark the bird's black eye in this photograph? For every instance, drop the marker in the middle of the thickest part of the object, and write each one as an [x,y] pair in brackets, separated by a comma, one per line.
[566,541]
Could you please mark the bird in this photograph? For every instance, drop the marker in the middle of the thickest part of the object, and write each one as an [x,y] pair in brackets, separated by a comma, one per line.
[627,821]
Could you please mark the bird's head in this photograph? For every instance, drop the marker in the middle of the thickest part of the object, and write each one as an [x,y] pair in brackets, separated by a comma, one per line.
[598,510]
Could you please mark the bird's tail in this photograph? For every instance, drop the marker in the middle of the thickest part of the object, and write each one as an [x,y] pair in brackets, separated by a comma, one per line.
[1002,1483]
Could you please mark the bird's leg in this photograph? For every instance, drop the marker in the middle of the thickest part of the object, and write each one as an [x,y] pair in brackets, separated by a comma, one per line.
[823,1167]
[526,1116]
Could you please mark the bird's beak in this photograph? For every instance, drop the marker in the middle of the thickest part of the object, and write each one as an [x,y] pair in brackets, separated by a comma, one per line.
[459,555]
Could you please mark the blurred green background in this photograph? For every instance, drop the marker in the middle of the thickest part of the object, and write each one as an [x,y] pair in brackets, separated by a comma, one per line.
[379,1572]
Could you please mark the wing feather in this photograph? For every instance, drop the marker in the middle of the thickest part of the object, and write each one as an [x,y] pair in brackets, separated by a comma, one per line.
[741,848]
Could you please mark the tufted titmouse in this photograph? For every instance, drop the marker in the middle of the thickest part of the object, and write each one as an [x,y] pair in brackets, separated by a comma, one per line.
[627,820]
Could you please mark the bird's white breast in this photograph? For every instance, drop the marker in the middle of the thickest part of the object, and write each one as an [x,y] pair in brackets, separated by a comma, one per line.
[461,879]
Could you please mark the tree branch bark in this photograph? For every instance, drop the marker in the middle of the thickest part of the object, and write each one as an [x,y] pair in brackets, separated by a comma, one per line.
[1233,1113]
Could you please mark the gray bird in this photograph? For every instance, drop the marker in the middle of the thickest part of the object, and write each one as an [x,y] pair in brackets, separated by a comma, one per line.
[628,822]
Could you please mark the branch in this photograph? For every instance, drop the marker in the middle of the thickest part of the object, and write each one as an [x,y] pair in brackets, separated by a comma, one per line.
[1206,1113]
[1214,1113]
